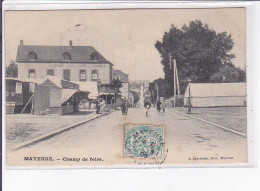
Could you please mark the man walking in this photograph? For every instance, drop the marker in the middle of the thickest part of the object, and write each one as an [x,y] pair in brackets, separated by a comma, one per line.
[163,105]
[147,106]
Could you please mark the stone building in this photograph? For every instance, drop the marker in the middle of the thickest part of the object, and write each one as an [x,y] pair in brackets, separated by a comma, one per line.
[80,64]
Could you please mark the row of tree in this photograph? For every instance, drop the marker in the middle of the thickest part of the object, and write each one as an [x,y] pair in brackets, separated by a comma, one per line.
[202,56]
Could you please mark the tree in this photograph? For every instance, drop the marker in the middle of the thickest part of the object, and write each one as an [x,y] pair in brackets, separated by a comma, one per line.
[229,73]
[153,89]
[11,70]
[117,84]
[198,50]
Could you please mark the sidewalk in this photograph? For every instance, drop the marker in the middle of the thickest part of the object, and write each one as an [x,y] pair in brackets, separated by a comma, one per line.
[21,128]
[234,118]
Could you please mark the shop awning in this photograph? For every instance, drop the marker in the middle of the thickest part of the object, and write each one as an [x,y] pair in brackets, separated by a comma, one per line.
[110,93]
[66,94]
[90,87]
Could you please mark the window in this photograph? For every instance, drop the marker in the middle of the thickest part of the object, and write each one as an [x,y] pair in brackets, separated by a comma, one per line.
[50,72]
[32,56]
[82,75]
[94,75]
[66,56]
[94,56]
[66,75]
[32,74]
[117,77]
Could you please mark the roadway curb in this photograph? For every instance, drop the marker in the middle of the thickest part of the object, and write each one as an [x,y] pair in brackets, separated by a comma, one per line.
[219,126]
[56,132]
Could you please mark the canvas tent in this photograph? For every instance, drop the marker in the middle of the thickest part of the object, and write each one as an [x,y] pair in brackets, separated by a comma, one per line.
[89,87]
[55,96]
[216,94]
[19,93]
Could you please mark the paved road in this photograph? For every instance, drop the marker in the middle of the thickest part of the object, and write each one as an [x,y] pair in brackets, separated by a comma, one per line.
[186,140]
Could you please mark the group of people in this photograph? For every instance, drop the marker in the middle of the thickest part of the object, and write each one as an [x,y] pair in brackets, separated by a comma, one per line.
[160,105]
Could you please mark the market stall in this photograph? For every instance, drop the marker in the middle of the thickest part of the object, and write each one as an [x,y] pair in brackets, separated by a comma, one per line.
[19,93]
[56,96]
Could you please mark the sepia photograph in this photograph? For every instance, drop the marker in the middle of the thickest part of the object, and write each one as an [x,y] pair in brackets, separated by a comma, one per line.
[125,87]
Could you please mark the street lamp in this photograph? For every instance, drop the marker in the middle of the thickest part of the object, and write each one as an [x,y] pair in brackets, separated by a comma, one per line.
[189,98]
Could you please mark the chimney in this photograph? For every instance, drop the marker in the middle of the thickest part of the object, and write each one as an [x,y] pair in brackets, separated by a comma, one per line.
[21,42]
[70,43]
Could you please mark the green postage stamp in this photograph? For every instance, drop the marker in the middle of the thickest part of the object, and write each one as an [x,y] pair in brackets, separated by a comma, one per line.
[143,141]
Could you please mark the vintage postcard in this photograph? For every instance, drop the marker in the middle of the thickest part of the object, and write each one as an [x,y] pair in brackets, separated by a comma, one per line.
[125,87]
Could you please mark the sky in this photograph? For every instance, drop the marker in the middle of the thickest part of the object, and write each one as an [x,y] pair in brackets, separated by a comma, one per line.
[124,37]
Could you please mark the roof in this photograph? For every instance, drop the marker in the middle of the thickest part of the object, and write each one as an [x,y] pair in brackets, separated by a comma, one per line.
[216,89]
[123,76]
[53,54]
[59,82]
[29,80]
[55,80]
[90,87]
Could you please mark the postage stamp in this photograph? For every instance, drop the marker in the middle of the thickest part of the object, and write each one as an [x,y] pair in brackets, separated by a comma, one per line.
[143,141]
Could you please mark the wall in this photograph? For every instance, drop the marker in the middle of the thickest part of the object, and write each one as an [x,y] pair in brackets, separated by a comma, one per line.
[67,109]
[125,90]
[104,73]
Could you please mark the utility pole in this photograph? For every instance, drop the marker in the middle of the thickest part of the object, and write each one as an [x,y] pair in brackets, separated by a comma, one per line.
[189,98]
[157,91]
[176,87]
[174,82]
[177,78]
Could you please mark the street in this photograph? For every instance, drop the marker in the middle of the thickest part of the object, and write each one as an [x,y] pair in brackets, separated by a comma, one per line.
[187,141]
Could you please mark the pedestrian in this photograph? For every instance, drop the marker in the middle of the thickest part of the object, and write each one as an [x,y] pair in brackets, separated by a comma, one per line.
[102,105]
[97,107]
[147,106]
[124,107]
[158,104]
[163,105]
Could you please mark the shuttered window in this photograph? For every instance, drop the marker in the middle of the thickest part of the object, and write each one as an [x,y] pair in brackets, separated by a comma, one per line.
[32,73]
[66,75]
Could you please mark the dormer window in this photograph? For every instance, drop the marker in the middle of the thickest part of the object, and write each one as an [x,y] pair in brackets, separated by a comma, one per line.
[94,56]
[32,56]
[66,56]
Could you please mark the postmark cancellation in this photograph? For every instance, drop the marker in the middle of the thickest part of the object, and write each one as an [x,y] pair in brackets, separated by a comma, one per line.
[144,141]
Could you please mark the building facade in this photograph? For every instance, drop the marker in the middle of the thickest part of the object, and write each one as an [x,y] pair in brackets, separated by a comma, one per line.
[72,63]
[123,77]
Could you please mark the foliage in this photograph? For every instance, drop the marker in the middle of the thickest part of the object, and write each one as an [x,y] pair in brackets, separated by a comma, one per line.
[161,89]
[199,53]
[229,73]
[11,70]
[117,84]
